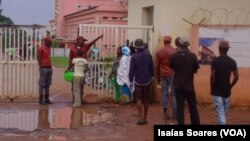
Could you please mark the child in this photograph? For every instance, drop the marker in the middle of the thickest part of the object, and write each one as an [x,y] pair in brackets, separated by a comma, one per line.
[80,67]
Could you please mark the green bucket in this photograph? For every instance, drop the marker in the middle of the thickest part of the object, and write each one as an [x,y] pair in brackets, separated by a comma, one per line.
[69,76]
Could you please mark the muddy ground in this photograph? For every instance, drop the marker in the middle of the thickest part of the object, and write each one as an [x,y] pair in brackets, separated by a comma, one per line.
[105,121]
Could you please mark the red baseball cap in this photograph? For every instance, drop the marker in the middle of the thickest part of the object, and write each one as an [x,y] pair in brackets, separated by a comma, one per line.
[47,39]
[167,38]
[81,38]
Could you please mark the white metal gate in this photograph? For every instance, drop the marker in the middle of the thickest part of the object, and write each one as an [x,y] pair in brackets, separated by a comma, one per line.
[103,53]
[18,64]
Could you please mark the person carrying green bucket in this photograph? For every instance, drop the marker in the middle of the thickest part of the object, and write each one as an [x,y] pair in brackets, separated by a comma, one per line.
[113,75]
[80,68]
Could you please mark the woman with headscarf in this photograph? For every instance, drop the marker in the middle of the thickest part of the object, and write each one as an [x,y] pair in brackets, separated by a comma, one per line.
[122,75]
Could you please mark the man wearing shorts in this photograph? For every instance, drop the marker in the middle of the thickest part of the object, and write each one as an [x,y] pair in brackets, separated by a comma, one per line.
[141,74]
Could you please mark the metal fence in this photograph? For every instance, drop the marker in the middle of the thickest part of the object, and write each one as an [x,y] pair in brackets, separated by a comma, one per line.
[103,53]
[60,52]
[18,64]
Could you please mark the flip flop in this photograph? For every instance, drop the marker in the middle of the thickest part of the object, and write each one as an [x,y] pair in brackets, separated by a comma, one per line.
[145,122]
[140,122]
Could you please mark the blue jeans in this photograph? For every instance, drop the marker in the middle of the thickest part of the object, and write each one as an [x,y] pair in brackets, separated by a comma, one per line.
[166,83]
[222,105]
[45,80]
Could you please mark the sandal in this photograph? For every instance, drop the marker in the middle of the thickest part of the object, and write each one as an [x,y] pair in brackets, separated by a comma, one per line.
[140,122]
[145,121]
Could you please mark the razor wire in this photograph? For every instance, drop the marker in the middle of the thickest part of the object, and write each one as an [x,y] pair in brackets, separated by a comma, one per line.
[221,16]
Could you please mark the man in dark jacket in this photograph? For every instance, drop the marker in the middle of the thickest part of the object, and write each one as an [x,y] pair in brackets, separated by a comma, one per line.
[141,74]
[185,65]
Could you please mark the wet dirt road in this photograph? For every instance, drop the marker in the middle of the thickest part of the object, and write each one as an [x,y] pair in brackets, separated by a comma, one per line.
[28,121]
[92,122]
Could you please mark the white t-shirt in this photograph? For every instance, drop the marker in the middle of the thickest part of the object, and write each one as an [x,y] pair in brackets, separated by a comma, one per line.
[79,66]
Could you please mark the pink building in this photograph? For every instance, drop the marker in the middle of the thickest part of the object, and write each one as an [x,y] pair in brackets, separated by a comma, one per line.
[70,13]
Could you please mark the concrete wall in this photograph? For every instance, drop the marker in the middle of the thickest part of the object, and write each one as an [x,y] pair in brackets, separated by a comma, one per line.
[175,17]
[171,13]
[240,92]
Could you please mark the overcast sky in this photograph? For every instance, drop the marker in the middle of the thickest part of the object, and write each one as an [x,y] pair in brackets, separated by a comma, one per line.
[27,12]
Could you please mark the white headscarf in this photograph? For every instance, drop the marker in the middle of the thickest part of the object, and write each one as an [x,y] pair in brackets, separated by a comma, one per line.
[123,69]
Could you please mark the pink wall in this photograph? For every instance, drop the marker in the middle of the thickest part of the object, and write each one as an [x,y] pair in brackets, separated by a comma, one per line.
[92,16]
[63,7]
[70,7]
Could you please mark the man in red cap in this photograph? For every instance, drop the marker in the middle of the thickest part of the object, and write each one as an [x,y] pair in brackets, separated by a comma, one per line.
[45,69]
[165,75]
[80,44]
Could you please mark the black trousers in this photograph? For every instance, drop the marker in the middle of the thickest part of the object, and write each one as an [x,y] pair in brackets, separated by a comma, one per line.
[181,96]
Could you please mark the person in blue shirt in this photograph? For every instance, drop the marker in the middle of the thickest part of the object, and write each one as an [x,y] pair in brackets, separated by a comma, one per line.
[141,73]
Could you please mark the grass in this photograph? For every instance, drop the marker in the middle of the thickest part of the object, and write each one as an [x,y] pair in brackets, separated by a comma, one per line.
[63,62]
[60,62]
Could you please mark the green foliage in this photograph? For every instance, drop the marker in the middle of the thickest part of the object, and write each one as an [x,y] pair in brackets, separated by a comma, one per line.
[60,62]
[108,62]
[5,20]
[109,59]
[54,44]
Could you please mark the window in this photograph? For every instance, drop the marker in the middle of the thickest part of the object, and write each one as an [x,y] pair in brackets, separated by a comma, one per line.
[78,7]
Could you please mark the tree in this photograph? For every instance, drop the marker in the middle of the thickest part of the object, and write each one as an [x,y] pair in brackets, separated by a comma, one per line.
[5,20]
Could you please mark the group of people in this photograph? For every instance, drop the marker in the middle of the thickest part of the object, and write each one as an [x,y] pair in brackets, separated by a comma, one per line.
[175,69]
[77,63]
[133,73]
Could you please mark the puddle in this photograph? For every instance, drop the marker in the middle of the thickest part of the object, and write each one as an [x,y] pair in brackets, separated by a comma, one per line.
[53,118]
[14,135]
[57,138]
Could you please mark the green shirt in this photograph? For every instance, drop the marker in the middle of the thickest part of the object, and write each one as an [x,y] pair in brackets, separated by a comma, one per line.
[10,51]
